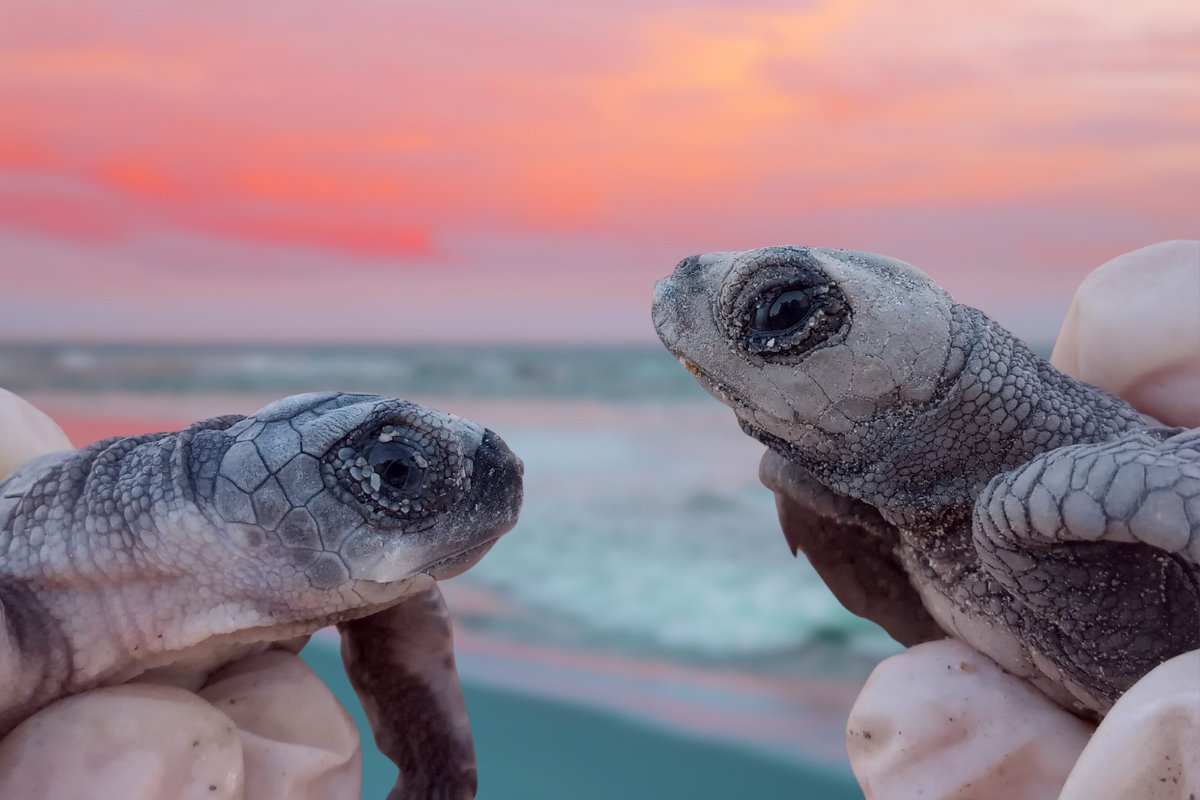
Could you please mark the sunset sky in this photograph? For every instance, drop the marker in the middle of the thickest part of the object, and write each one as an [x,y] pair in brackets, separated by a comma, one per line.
[387,171]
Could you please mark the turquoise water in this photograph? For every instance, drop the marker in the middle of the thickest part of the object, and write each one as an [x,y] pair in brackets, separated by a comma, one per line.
[531,748]
[645,528]
[609,372]
[645,536]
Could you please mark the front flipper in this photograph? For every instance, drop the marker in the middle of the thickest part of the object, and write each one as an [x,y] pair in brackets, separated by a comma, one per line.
[852,549]
[1101,543]
[401,664]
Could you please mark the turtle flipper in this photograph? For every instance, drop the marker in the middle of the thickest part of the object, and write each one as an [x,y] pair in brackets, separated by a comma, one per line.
[851,547]
[1100,544]
[401,664]
[1143,487]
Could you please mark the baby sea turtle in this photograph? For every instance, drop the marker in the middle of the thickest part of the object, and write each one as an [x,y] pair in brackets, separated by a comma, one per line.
[940,475]
[185,551]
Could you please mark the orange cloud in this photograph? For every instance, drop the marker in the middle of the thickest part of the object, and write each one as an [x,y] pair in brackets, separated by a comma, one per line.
[374,132]
[137,178]
[379,237]
[63,215]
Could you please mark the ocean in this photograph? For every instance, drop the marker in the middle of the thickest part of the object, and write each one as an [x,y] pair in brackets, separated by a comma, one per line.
[645,529]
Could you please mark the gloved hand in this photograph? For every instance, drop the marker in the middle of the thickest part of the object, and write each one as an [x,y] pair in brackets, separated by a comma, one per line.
[942,721]
[263,728]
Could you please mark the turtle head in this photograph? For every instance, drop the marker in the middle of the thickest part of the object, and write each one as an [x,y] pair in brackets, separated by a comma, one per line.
[808,346]
[361,487]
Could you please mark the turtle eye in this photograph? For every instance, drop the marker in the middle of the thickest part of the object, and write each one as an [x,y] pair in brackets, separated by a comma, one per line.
[786,311]
[396,464]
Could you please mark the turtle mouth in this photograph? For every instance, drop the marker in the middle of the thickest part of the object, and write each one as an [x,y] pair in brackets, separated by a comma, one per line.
[695,371]
[713,386]
[459,563]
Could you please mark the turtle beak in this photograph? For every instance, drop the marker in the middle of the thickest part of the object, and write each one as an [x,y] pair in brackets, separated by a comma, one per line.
[691,368]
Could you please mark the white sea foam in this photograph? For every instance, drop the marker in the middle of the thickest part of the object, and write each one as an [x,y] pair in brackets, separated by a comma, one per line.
[651,525]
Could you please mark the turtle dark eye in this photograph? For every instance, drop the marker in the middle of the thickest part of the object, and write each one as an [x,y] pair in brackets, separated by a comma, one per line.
[394,472]
[781,305]
[395,464]
[785,312]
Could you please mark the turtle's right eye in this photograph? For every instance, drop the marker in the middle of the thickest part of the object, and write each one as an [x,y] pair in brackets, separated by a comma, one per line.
[794,318]
[780,303]
[786,312]
[404,472]
[397,464]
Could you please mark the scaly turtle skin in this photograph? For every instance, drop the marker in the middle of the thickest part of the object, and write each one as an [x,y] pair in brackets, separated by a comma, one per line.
[940,475]
[180,552]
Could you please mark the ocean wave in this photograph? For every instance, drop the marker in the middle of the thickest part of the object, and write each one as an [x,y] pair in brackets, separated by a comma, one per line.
[644,521]
[610,372]
[663,537]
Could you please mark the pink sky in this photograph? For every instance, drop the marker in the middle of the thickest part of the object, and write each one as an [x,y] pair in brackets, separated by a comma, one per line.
[385,171]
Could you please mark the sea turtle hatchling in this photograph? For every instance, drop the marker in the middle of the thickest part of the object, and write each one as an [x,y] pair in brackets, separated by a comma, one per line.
[940,475]
[185,551]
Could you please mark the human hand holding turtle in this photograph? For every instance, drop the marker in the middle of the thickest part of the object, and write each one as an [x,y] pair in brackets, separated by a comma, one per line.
[263,727]
[942,718]
[202,560]
[941,478]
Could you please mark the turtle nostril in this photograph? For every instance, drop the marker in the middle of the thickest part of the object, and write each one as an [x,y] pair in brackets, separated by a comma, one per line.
[688,266]
[494,452]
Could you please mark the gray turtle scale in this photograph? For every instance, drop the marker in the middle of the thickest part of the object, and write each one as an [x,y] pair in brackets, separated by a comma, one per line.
[941,477]
[175,553]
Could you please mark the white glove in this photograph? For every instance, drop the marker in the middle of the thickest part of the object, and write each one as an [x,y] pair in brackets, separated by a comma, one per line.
[942,721]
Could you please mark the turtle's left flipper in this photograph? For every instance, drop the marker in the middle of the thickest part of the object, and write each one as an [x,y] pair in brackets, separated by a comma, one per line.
[1141,488]
[1100,543]
[401,663]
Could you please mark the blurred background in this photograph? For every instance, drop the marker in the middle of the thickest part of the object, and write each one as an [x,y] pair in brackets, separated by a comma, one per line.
[204,207]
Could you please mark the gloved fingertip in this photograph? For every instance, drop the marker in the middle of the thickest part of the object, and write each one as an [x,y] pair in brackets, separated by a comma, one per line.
[298,741]
[26,432]
[943,721]
[134,742]
[1149,743]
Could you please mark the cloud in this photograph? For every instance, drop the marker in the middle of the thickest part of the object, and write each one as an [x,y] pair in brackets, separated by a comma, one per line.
[69,215]
[385,139]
